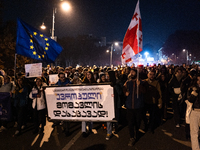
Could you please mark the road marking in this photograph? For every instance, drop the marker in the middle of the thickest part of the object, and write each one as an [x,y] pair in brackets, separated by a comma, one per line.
[35,140]
[47,133]
[186,143]
[73,140]
[113,132]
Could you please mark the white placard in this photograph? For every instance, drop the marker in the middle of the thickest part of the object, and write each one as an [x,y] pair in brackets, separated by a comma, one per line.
[33,70]
[81,103]
[53,79]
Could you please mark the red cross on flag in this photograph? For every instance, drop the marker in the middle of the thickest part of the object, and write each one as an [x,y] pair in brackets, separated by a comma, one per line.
[133,37]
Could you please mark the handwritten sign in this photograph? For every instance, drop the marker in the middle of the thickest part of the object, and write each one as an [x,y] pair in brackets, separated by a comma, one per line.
[53,79]
[33,70]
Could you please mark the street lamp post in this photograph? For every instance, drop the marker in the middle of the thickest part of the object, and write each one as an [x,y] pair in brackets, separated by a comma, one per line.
[111,51]
[184,50]
[190,58]
[174,57]
[53,24]
[65,6]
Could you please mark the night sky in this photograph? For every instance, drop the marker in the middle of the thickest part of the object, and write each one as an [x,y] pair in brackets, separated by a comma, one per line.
[109,18]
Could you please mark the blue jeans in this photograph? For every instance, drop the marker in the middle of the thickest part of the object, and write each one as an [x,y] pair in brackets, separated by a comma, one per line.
[84,126]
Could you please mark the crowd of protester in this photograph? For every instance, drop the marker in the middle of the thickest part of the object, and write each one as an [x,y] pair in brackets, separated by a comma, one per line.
[150,94]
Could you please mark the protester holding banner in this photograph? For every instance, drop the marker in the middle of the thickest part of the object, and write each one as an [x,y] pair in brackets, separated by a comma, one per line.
[76,79]
[109,124]
[117,103]
[134,104]
[20,101]
[63,81]
[39,106]
[88,79]
[102,78]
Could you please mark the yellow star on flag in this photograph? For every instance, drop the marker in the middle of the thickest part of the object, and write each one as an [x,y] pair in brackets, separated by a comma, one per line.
[43,56]
[46,39]
[31,47]
[41,35]
[39,56]
[46,48]
[31,40]
[47,44]
[35,33]
[44,52]
[34,53]
[31,36]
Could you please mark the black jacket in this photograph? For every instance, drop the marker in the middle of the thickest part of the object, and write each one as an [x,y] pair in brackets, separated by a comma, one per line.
[194,96]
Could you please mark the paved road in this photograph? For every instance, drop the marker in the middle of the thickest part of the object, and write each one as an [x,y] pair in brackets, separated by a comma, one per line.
[166,137]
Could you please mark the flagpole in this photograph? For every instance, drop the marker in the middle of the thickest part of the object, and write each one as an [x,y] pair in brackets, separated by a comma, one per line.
[138,55]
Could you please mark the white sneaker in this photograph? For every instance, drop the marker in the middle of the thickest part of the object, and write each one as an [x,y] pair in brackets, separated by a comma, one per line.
[177,126]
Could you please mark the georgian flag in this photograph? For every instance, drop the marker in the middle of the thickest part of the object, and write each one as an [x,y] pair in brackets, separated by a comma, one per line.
[133,37]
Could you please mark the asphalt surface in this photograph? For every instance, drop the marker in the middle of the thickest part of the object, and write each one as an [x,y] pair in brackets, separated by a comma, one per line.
[165,137]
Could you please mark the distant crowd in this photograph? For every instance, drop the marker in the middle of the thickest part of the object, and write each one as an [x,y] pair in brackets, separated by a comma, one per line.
[151,93]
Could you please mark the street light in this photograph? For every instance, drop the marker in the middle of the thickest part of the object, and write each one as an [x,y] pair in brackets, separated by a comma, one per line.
[146,54]
[43,27]
[65,6]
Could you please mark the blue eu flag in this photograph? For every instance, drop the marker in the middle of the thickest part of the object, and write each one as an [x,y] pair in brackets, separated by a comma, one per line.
[34,44]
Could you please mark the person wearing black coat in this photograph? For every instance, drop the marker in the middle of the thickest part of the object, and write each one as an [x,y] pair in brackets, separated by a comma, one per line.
[175,91]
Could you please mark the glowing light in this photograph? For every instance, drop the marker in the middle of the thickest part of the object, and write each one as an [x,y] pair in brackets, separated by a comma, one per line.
[116,43]
[146,54]
[66,6]
[43,27]
[107,51]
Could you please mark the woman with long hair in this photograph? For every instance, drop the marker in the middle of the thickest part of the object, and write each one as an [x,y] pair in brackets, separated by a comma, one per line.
[89,80]
[117,102]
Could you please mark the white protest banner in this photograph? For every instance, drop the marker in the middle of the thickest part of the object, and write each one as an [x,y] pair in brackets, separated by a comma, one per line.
[53,79]
[33,70]
[81,103]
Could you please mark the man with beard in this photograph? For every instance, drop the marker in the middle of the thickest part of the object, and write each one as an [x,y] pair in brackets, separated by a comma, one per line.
[153,100]
[134,104]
